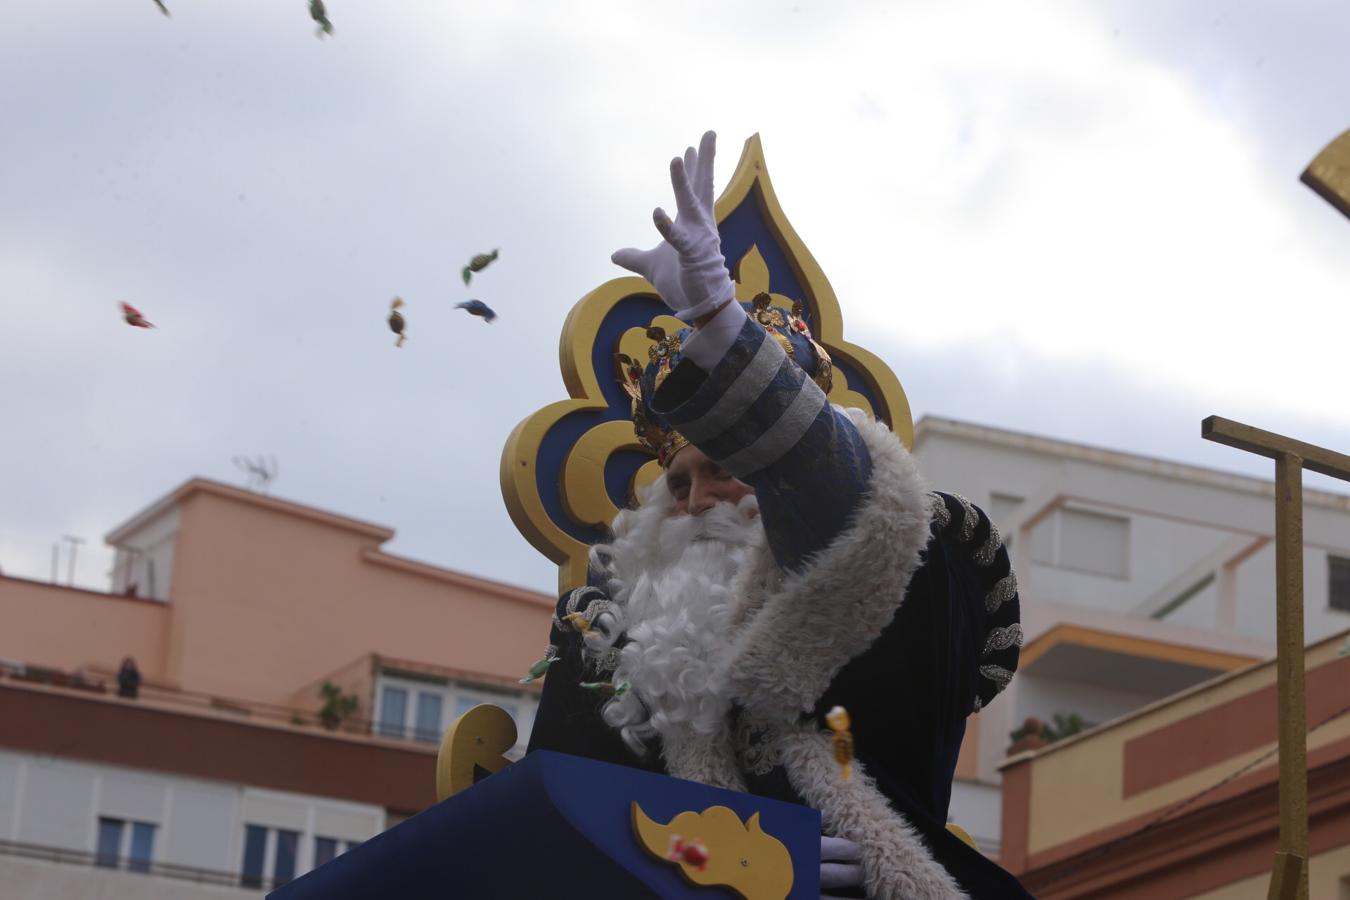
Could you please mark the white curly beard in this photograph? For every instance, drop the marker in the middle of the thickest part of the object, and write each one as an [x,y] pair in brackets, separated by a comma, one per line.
[670,578]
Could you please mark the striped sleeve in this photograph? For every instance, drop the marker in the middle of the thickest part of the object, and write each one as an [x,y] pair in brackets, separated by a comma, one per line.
[759,416]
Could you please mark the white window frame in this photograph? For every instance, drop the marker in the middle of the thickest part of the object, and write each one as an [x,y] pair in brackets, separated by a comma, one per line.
[451,692]
[269,861]
[304,852]
[123,860]
[1056,545]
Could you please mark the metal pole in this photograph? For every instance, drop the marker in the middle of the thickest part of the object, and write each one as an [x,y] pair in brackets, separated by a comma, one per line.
[74,545]
[1290,877]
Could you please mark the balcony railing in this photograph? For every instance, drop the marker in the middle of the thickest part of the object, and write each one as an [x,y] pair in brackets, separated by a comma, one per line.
[163,697]
[140,866]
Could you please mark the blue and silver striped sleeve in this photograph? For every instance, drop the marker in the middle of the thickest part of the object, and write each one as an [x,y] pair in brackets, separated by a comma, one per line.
[760,417]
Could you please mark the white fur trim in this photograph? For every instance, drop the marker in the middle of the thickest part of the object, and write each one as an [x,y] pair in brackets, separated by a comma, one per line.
[896,863]
[707,759]
[794,644]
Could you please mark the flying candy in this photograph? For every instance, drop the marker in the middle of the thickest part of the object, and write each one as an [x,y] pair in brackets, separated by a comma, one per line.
[133,316]
[539,669]
[837,719]
[396,322]
[478,264]
[606,688]
[691,853]
[320,15]
[478,308]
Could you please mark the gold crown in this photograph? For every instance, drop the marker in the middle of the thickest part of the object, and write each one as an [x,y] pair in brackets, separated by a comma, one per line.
[663,354]
[664,442]
[780,327]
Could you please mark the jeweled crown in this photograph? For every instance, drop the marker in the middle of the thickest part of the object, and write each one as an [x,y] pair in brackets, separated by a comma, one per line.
[641,381]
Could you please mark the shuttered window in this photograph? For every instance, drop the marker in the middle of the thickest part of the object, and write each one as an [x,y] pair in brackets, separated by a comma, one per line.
[1338,591]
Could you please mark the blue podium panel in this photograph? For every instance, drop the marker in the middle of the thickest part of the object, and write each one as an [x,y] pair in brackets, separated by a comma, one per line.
[555,826]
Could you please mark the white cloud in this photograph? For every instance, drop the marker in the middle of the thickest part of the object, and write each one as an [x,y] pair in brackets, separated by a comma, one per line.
[1008,177]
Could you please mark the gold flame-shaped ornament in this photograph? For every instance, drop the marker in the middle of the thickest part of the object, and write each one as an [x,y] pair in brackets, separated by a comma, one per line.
[740,856]
[473,747]
[569,467]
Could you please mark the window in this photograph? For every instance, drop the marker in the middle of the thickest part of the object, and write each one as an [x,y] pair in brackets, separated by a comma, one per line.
[113,835]
[1092,542]
[109,842]
[142,846]
[262,846]
[408,706]
[1002,508]
[393,711]
[255,848]
[428,717]
[287,844]
[1084,541]
[326,849]
[1338,587]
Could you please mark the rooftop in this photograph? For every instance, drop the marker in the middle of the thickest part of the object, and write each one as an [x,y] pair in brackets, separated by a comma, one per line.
[1133,462]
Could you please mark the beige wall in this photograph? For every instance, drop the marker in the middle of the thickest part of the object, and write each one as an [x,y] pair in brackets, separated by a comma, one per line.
[1202,765]
[267,602]
[356,678]
[1076,788]
[1328,879]
[68,628]
[268,599]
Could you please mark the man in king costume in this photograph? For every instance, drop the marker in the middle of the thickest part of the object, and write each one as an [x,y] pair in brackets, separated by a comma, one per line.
[790,559]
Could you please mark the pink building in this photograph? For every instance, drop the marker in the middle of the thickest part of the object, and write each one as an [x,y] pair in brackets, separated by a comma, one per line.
[237,608]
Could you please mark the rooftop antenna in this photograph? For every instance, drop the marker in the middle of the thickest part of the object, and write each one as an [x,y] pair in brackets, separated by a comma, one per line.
[261,471]
[74,546]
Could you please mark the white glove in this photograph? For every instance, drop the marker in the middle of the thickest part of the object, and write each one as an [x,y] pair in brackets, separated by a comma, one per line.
[711,341]
[687,268]
[840,863]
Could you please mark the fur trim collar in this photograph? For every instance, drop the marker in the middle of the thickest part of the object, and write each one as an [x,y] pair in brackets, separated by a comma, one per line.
[789,647]
[896,863]
[793,645]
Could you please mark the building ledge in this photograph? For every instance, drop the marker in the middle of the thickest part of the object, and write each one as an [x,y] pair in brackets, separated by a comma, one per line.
[219,744]
[377,533]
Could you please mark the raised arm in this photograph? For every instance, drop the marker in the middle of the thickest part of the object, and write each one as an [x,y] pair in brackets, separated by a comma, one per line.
[759,417]
[736,395]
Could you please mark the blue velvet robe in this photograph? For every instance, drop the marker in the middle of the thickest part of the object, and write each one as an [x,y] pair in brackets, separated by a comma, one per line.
[951,647]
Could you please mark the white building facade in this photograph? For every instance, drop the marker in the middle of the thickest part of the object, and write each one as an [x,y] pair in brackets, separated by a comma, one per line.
[138,832]
[1138,578]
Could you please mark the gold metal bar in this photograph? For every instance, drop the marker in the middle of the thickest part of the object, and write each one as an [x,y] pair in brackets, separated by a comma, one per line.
[1269,444]
[1329,173]
[1293,730]
[1284,877]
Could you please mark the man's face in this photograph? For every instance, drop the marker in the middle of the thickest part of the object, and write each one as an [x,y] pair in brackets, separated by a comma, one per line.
[698,484]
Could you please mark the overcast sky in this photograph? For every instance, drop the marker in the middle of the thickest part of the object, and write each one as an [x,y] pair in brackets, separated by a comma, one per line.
[1078,220]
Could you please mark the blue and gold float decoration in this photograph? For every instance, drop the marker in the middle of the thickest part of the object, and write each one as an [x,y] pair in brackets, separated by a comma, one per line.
[568,468]
[473,747]
[714,848]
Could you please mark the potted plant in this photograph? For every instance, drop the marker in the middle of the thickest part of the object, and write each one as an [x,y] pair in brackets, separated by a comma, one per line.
[337,706]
